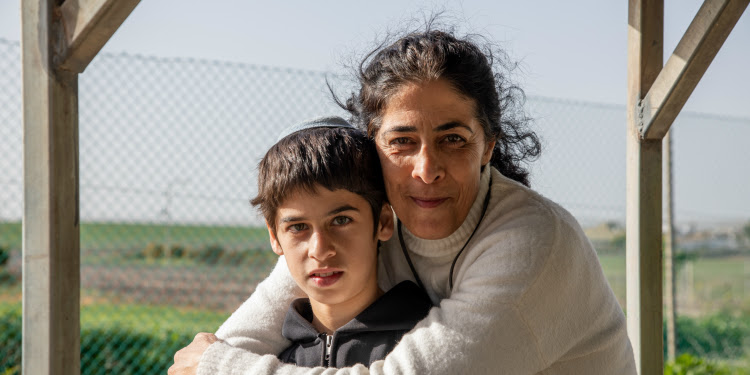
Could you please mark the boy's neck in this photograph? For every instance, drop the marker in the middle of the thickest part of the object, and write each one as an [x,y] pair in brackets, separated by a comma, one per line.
[328,318]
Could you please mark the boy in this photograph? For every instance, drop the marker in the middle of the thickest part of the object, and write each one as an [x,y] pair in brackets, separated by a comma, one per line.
[321,192]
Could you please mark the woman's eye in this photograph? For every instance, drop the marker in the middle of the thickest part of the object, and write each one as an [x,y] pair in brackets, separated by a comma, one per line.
[400,141]
[341,220]
[454,138]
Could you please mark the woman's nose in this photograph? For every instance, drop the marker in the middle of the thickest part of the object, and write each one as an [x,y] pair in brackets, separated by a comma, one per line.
[427,166]
[320,246]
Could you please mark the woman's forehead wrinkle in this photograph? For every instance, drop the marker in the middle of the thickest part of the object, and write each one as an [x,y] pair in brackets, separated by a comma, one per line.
[400,129]
[453,125]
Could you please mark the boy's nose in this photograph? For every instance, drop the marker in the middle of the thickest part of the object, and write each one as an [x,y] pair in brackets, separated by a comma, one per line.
[321,247]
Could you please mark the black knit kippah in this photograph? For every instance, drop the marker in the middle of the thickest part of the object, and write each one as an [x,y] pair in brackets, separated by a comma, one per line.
[320,122]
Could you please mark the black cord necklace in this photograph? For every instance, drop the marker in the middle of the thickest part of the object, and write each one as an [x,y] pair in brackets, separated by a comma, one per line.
[453,265]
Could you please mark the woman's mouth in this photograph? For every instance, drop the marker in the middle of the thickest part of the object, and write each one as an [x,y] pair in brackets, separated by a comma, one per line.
[428,202]
[324,279]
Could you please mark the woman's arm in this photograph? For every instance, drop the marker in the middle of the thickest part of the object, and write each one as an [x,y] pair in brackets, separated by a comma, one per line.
[465,334]
[525,300]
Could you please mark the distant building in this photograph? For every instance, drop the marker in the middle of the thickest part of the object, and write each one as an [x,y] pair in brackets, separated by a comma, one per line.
[725,238]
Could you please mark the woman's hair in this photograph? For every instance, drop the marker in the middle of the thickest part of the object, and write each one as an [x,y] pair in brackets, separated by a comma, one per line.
[334,158]
[479,74]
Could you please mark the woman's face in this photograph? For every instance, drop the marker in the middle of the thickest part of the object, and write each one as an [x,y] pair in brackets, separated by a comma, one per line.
[431,147]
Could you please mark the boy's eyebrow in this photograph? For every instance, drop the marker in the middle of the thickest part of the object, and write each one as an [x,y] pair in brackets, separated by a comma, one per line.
[289,219]
[343,208]
[346,207]
[441,128]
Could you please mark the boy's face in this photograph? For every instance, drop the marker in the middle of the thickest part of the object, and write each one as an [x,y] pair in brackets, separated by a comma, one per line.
[327,240]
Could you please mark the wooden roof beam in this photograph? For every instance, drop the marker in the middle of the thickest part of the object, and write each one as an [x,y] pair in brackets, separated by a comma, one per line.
[685,67]
[88,26]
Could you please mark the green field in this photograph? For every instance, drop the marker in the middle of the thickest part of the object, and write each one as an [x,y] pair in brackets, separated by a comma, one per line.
[704,285]
[119,236]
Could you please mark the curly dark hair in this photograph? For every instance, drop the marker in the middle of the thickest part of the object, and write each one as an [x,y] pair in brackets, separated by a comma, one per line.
[481,74]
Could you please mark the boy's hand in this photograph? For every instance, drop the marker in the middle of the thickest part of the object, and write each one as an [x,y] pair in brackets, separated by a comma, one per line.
[186,359]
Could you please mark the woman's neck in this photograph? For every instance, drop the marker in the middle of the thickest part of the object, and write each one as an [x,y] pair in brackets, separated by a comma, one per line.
[327,318]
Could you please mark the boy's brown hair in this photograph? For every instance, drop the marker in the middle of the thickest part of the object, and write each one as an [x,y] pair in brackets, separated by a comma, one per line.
[333,157]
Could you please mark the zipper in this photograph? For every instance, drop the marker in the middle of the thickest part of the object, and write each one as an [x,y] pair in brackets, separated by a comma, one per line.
[329,341]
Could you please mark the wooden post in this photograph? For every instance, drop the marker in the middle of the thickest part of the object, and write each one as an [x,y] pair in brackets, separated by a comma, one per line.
[670,300]
[655,97]
[59,39]
[51,280]
[643,226]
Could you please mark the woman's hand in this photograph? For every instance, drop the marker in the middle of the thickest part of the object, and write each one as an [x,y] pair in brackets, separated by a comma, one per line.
[186,359]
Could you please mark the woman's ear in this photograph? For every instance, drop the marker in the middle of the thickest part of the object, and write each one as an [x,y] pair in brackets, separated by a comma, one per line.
[385,224]
[274,241]
[487,156]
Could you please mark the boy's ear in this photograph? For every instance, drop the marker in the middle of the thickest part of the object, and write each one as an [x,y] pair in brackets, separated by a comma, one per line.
[385,225]
[274,242]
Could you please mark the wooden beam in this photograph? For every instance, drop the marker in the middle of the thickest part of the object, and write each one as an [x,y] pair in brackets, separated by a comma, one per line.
[643,225]
[690,60]
[51,268]
[88,26]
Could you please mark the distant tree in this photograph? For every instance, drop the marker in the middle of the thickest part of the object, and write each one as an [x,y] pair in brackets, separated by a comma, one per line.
[618,242]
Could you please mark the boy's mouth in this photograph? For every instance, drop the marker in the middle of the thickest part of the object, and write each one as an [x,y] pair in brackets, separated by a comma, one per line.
[324,274]
[325,278]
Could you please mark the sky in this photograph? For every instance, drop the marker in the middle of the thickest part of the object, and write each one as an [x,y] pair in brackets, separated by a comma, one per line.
[567,49]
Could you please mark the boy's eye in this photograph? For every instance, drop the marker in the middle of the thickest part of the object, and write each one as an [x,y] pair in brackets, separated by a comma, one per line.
[294,228]
[341,220]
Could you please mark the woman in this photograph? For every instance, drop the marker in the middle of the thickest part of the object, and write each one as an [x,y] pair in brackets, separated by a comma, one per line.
[516,285]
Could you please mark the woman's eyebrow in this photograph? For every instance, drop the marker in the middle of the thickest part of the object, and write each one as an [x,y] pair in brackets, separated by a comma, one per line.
[453,125]
[401,129]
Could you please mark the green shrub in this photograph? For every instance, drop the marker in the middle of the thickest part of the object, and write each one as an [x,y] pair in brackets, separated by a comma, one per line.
[153,251]
[109,350]
[721,335]
[4,256]
[10,341]
[210,254]
[177,251]
[687,364]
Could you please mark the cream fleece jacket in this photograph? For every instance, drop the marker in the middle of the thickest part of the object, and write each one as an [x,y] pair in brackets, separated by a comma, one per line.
[529,297]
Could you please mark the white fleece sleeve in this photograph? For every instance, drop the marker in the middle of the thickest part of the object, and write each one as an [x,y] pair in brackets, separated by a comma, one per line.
[468,333]
[474,331]
[522,304]
[256,325]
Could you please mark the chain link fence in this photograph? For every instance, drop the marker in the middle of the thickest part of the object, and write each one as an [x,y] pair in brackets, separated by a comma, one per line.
[170,245]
